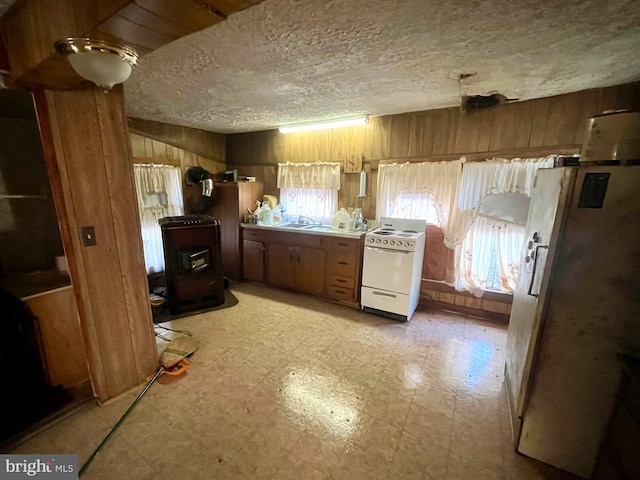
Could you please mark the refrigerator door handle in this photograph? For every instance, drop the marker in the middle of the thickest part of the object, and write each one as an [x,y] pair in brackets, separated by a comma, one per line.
[533,273]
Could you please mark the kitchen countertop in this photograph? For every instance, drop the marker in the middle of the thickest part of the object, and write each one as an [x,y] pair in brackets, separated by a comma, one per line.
[280,228]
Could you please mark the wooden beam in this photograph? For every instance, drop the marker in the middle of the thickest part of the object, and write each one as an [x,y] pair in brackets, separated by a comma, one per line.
[31,29]
[88,155]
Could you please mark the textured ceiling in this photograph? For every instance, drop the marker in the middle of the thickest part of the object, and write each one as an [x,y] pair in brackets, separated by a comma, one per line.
[287,61]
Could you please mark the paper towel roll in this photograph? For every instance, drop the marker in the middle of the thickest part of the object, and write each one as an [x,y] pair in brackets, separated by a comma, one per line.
[363,184]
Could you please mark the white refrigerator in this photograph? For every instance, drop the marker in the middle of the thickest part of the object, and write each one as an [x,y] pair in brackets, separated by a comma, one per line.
[576,305]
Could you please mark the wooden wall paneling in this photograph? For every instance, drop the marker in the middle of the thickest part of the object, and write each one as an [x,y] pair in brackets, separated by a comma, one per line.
[539,124]
[116,151]
[64,348]
[133,33]
[356,142]
[208,144]
[369,134]
[503,134]
[454,118]
[141,16]
[428,130]
[187,14]
[159,150]
[416,134]
[441,127]
[399,138]
[468,132]
[381,137]
[105,8]
[589,106]
[524,121]
[56,163]
[562,120]
[434,263]
[137,145]
[148,147]
[99,278]
[486,119]
[77,115]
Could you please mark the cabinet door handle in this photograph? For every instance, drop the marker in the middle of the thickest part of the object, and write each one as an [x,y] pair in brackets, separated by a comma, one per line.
[343,244]
[343,263]
[340,291]
[339,280]
[533,273]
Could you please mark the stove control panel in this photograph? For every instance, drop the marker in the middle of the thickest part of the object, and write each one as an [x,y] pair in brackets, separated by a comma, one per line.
[391,244]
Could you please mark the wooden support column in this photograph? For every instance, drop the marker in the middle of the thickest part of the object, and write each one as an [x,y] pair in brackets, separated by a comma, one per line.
[88,155]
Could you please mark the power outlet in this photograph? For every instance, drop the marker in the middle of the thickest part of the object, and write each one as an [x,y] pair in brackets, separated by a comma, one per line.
[88,236]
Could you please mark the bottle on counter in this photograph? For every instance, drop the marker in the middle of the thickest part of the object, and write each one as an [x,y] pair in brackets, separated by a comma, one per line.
[277,215]
[341,221]
[267,214]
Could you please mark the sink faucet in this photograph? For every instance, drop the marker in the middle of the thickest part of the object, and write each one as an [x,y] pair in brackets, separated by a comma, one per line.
[301,219]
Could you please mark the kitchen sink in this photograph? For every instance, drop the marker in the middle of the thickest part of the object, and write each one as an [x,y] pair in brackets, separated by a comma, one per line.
[318,228]
[294,225]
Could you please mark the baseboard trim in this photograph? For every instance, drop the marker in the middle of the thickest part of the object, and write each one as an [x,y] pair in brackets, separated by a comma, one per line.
[473,312]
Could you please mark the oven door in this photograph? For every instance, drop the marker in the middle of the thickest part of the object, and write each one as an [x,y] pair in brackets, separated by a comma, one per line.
[387,269]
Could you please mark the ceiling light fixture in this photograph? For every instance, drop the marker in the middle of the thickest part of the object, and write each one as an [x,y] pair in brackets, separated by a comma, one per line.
[104,63]
[337,123]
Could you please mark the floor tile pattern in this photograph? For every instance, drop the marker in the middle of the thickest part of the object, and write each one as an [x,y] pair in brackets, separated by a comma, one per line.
[286,386]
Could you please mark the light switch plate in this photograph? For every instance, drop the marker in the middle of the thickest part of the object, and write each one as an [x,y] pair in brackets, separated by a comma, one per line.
[88,236]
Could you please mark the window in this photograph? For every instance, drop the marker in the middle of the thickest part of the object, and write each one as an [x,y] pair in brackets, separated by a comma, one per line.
[317,203]
[416,205]
[488,222]
[309,189]
[418,190]
[159,194]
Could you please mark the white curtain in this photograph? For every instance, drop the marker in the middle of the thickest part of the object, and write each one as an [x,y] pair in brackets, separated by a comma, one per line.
[418,190]
[487,249]
[321,175]
[489,256]
[319,204]
[309,189]
[159,194]
[480,179]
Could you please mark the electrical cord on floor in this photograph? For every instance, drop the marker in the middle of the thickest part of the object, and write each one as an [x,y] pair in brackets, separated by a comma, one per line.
[185,332]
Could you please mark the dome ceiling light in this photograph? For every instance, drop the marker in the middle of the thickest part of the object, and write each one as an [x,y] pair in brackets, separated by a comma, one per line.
[105,64]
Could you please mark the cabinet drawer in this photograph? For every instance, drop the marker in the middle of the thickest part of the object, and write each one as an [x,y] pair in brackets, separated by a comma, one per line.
[342,264]
[342,282]
[343,245]
[340,293]
[249,234]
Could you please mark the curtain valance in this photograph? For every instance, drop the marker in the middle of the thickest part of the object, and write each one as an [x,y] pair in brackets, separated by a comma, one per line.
[321,175]
[438,179]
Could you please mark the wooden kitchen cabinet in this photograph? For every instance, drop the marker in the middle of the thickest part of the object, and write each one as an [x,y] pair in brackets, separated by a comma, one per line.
[343,269]
[253,255]
[230,203]
[322,265]
[65,359]
[297,267]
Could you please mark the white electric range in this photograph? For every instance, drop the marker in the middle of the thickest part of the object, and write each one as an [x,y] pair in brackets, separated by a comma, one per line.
[392,268]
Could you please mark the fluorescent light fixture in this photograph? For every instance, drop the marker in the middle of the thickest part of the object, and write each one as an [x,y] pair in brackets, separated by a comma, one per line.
[337,123]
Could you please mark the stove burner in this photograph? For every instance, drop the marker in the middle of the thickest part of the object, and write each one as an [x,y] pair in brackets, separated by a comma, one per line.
[409,231]
[387,229]
[382,232]
[405,234]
